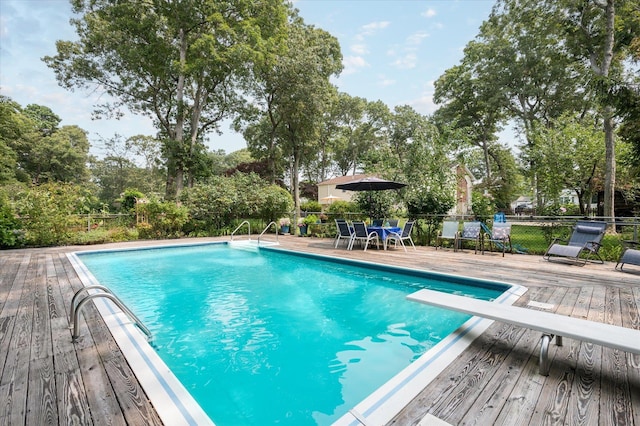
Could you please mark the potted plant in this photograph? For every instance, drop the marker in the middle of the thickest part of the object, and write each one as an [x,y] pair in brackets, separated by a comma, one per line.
[285,223]
[303,224]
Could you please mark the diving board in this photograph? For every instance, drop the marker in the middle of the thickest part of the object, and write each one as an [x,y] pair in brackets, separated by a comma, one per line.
[550,324]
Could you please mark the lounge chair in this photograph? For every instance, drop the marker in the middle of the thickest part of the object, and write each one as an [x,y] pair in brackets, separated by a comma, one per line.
[470,232]
[500,236]
[402,237]
[361,234]
[630,255]
[344,232]
[583,244]
[449,232]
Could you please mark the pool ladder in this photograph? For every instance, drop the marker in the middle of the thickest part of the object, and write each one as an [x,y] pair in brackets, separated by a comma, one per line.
[246,222]
[74,312]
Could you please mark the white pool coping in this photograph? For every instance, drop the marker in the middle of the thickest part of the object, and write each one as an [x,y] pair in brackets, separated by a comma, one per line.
[176,406]
[171,400]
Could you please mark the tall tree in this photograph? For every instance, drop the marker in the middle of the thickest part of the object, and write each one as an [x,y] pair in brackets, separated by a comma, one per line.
[313,56]
[591,36]
[178,62]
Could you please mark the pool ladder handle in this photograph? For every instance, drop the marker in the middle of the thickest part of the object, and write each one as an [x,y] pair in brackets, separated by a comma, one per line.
[74,312]
[240,226]
[266,229]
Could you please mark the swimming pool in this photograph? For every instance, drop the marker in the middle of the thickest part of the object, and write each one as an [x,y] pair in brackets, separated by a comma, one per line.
[331,332]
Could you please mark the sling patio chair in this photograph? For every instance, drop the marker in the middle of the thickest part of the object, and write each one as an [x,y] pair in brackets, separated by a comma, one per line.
[500,236]
[361,234]
[344,232]
[470,232]
[583,245]
[402,237]
[449,231]
[630,255]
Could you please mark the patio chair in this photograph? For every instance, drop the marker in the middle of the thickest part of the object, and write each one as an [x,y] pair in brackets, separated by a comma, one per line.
[500,236]
[392,222]
[361,234]
[449,232]
[630,255]
[376,222]
[404,236]
[583,245]
[470,232]
[344,232]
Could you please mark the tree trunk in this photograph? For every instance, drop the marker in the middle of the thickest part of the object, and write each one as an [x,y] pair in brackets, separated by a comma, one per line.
[610,162]
[179,127]
[608,124]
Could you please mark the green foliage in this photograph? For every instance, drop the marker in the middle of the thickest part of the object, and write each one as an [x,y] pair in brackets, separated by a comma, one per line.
[311,206]
[216,204]
[199,51]
[164,219]
[377,204]
[275,201]
[340,209]
[310,219]
[49,212]
[483,206]
[128,199]
[10,228]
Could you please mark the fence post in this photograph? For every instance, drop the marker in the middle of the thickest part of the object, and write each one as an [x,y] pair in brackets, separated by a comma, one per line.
[88,222]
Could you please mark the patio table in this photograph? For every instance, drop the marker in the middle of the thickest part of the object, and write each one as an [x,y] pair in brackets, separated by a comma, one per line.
[383,232]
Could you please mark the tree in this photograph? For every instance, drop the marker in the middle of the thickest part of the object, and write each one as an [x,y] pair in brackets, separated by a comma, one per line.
[179,62]
[597,37]
[569,155]
[292,96]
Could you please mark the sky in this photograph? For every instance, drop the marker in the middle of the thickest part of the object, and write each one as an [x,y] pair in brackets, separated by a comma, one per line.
[393,51]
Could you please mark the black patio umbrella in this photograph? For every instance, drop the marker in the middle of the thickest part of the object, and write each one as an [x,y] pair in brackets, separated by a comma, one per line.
[370,184]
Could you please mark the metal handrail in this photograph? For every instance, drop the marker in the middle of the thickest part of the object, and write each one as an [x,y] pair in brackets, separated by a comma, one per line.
[267,228]
[240,226]
[75,310]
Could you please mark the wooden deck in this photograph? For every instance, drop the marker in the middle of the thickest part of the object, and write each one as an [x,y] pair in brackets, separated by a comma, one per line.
[46,379]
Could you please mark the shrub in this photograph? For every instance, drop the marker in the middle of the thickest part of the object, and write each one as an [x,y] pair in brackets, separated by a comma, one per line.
[165,220]
[10,233]
[49,212]
[310,206]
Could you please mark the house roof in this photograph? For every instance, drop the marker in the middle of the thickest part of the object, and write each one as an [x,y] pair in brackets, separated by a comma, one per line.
[343,179]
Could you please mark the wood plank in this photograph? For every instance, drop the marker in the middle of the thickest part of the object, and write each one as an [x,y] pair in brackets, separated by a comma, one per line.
[523,399]
[41,346]
[555,392]
[15,374]
[615,406]
[633,360]
[470,390]
[583,405]
[41,397]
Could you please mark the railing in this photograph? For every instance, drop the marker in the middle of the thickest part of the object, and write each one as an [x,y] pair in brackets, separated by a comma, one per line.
[74,312]
[266,229]
[240,226]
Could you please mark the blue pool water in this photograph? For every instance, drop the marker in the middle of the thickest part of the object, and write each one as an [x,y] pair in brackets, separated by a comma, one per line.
[265,337]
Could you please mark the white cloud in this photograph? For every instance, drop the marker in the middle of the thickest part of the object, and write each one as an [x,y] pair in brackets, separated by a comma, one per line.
[417,37]
[359,49]
[429,13]
[370,29]
[386,82]
[406,62]
[353,64]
